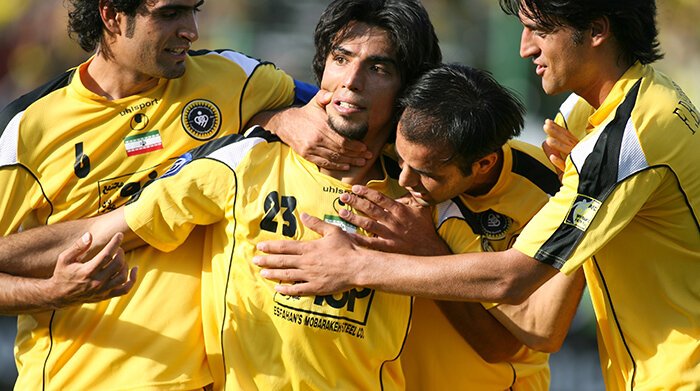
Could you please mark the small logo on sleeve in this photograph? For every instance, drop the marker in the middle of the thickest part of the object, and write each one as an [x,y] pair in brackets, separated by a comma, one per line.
[582,212]
[201,119]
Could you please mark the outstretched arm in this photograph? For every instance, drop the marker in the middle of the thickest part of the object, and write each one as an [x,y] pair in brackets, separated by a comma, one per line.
[306,130]
[74,280]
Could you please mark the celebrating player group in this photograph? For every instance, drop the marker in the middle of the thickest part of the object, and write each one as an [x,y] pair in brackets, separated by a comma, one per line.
[180,219]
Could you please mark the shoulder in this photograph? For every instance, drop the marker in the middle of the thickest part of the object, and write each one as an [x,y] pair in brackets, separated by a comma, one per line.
[228,58]
[531,163]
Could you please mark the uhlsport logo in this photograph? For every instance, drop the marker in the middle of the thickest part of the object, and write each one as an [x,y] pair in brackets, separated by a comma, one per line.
[582,212]
[494,225]
[201,119]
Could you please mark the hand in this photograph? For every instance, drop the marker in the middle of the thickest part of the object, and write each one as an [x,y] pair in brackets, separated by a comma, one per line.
[102,277]
[402,226]
[558,144]
[306,130]
[317,267]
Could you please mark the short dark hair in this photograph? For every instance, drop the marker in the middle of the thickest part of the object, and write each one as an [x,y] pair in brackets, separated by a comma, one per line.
[633,22]
[85,24]
[406,21]
[463,109]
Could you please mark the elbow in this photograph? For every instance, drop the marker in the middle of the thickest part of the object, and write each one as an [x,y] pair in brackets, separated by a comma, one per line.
[511,290]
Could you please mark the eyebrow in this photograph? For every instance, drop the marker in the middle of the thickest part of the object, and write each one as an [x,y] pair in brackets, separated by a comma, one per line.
[376,59]
[179,7]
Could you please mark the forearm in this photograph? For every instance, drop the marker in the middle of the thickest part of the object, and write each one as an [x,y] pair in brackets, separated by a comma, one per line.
[503,277]
[33,253]
[484,333]
[543,320]
[25,295]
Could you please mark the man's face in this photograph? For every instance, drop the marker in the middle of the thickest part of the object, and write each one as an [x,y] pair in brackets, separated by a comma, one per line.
[361,72]
[426,174]
[155,42]
[560,61]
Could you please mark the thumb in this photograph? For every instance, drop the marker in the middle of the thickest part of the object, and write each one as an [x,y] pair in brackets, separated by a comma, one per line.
[323,98]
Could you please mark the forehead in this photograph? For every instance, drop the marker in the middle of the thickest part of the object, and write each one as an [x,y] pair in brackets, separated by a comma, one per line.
[428,158]
[372,39]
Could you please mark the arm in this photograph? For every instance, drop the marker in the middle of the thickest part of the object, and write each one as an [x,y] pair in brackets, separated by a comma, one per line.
[306,130]
[336,263]
[542,321]
[73,281]
[33,253]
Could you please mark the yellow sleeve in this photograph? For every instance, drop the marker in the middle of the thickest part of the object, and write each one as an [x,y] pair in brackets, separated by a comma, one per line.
[267,88]
[166,211]
[18,192]
[611,216]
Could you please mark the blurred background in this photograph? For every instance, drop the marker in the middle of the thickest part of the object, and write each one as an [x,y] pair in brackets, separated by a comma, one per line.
[34,48]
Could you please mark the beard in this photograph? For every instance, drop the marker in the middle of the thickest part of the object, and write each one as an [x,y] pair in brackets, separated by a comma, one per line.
[348,129]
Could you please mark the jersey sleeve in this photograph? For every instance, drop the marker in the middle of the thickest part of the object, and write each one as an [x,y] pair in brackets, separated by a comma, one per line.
[571,227]
[267,88]
[166,211]
[16,194]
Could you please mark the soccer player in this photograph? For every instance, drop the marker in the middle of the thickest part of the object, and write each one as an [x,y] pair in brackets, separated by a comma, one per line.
[629,202]
[454,148]
[85,143]
[253,188]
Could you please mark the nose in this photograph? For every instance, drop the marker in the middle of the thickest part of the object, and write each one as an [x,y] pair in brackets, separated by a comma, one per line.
[353,78]
[407,178]
[189,29]
[527,45]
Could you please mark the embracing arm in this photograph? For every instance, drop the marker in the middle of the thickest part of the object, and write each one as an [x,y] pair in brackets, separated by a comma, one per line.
[34,253]
[74,280]
[306,130]
[542,321]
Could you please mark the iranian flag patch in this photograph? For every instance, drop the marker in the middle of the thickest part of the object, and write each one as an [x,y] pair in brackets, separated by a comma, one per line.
[143,143]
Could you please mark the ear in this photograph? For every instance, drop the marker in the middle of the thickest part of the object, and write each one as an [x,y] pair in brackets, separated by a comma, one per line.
[600,31]
[485,164]
[110,17]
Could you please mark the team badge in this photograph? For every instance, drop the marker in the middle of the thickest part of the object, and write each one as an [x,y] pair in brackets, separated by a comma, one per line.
[494,225]
[139,121]
[201,119]
[582,212]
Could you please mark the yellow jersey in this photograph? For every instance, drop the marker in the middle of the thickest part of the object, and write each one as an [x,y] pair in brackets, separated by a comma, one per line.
[68,153]
[253,189]
[436,356]
[630,200]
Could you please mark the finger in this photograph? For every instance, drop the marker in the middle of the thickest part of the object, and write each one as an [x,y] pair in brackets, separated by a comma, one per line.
[366,223]
[558,162]
[369,208]
[317,225]
[105,256]
[375,197]
[374,243]
[76,252]
[282,275]
[126,287]
[299,289]
[552,129]
[291,247]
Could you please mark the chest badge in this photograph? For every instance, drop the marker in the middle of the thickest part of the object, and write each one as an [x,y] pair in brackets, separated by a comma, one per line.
[201,119]
[494,225]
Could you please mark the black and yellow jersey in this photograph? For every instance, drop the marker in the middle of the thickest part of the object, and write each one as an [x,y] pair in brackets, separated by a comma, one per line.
[68,153]
[631,200]
[436,356]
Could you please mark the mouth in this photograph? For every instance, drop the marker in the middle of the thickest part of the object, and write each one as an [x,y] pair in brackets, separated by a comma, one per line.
[345,107]
[540,70]
[419,198]
[180,52]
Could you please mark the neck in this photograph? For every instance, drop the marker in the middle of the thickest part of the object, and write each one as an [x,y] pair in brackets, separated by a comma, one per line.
[105,77]
[602,80]
[370,171]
